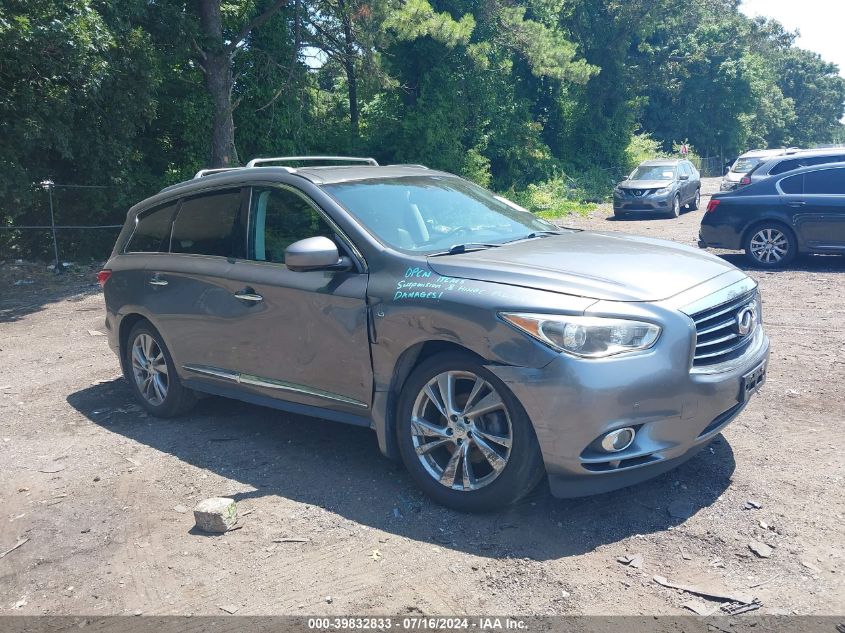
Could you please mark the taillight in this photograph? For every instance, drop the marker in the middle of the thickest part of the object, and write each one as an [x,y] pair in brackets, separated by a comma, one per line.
[103,276]
[711,206]
[745,180]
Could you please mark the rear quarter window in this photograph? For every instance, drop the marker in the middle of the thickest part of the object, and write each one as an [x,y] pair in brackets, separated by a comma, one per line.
[152,230]
[785,166]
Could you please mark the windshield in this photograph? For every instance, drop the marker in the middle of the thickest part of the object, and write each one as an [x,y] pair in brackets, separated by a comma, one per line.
[653,172]
[744,165]
[427,214]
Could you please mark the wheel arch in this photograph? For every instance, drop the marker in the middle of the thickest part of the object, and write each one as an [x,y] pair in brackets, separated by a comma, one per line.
[386,403]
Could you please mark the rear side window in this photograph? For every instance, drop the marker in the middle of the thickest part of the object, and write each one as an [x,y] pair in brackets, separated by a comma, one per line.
[208,225]
[785,166]
[825,181]
[793,184]
[152,230]
[278,218]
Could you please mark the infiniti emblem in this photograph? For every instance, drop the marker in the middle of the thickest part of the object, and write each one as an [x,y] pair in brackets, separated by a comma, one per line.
[746,319]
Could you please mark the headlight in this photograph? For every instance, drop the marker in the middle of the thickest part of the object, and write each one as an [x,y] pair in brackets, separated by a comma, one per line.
[590,337]
[618,192]
[662,191]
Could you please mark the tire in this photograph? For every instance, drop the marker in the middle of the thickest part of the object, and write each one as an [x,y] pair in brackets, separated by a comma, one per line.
[150,371]
[675,211]
[696,202]
[504,461]
[619,215]
[770,245]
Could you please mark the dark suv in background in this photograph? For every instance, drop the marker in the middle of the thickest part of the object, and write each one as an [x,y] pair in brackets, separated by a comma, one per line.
[663,186]
[801,211]
[791,161]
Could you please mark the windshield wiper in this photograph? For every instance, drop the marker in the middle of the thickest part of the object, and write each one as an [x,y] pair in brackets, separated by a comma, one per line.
[533,235]
[457,249]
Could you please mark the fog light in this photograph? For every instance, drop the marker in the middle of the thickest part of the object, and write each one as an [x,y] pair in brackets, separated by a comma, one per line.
[618,440]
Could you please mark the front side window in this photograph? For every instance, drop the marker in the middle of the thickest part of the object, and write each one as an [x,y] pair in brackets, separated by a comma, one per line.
[278,218]
[427,214]
[825,182]
[208,225]
[152,230]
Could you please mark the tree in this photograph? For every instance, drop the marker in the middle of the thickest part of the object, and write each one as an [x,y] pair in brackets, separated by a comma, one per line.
[216,47]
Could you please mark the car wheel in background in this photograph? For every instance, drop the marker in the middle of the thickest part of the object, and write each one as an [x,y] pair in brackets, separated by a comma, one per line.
[696,202]
[152,375]
[675,211]
[770,245]
[464,437]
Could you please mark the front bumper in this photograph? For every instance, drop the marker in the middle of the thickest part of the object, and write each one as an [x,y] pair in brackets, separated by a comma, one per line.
[675,412]
[645,203]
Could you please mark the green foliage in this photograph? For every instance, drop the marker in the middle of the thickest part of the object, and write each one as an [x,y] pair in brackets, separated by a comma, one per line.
[512,95]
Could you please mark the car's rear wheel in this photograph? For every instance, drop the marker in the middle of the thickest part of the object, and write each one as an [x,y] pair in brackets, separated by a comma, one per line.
[464,437]
[696,202]
[675,211]
[152,374]
[770,245]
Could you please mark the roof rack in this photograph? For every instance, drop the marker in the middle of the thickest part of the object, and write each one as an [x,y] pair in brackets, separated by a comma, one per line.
[341,159]
[205,172]
[408,165]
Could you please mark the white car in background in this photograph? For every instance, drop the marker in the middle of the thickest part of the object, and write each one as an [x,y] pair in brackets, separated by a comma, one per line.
[745,164]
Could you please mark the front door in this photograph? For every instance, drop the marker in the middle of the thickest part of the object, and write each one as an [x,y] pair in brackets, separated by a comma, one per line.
[299,336]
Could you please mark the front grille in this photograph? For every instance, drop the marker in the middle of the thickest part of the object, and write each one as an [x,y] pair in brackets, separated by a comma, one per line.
[718,338]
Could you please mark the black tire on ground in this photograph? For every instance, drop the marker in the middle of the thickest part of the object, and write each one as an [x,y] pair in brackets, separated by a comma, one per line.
[177,399]
[696,202]
[619,215]
[523,468]
[770,245]
[675,210]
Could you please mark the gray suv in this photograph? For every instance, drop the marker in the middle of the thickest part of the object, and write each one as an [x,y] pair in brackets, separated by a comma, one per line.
[485,347]
[662,186]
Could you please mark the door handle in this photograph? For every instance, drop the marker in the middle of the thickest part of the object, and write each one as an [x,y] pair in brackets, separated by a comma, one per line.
[157,281]
[247,294]
[796,203]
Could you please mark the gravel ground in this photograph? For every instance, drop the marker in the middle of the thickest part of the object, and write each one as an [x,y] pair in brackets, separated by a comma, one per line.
[100,490]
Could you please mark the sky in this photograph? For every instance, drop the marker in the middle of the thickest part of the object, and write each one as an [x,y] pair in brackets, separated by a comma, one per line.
[820,23]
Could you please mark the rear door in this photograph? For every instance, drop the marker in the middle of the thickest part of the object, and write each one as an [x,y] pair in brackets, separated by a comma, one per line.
[188,293]
[301,336]
[822,215]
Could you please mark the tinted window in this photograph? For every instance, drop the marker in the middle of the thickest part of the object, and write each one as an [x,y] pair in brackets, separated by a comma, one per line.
[152,230]
[821,160]
[278,218]
[207,224]
[793,185]
[825,181]
[785,166]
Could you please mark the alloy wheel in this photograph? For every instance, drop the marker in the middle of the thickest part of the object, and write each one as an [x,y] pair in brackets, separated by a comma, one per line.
[676,207]
[149,369]
[461,430]
[769,245]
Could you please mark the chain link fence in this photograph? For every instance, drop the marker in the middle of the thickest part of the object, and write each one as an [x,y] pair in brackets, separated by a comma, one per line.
[51,224]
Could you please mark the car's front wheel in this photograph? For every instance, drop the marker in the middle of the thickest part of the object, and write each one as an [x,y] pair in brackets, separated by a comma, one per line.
[696,202]
[770,245]
[464,437]
[675,211]
[152,374]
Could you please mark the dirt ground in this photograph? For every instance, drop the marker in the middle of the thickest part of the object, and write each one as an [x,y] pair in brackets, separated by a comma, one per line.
[104,493]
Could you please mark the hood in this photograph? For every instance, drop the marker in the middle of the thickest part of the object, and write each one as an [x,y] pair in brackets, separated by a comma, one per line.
[645,184]
[608,266]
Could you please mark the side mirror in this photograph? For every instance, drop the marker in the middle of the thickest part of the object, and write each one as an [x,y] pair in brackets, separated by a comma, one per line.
[683,177]
[315,253]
